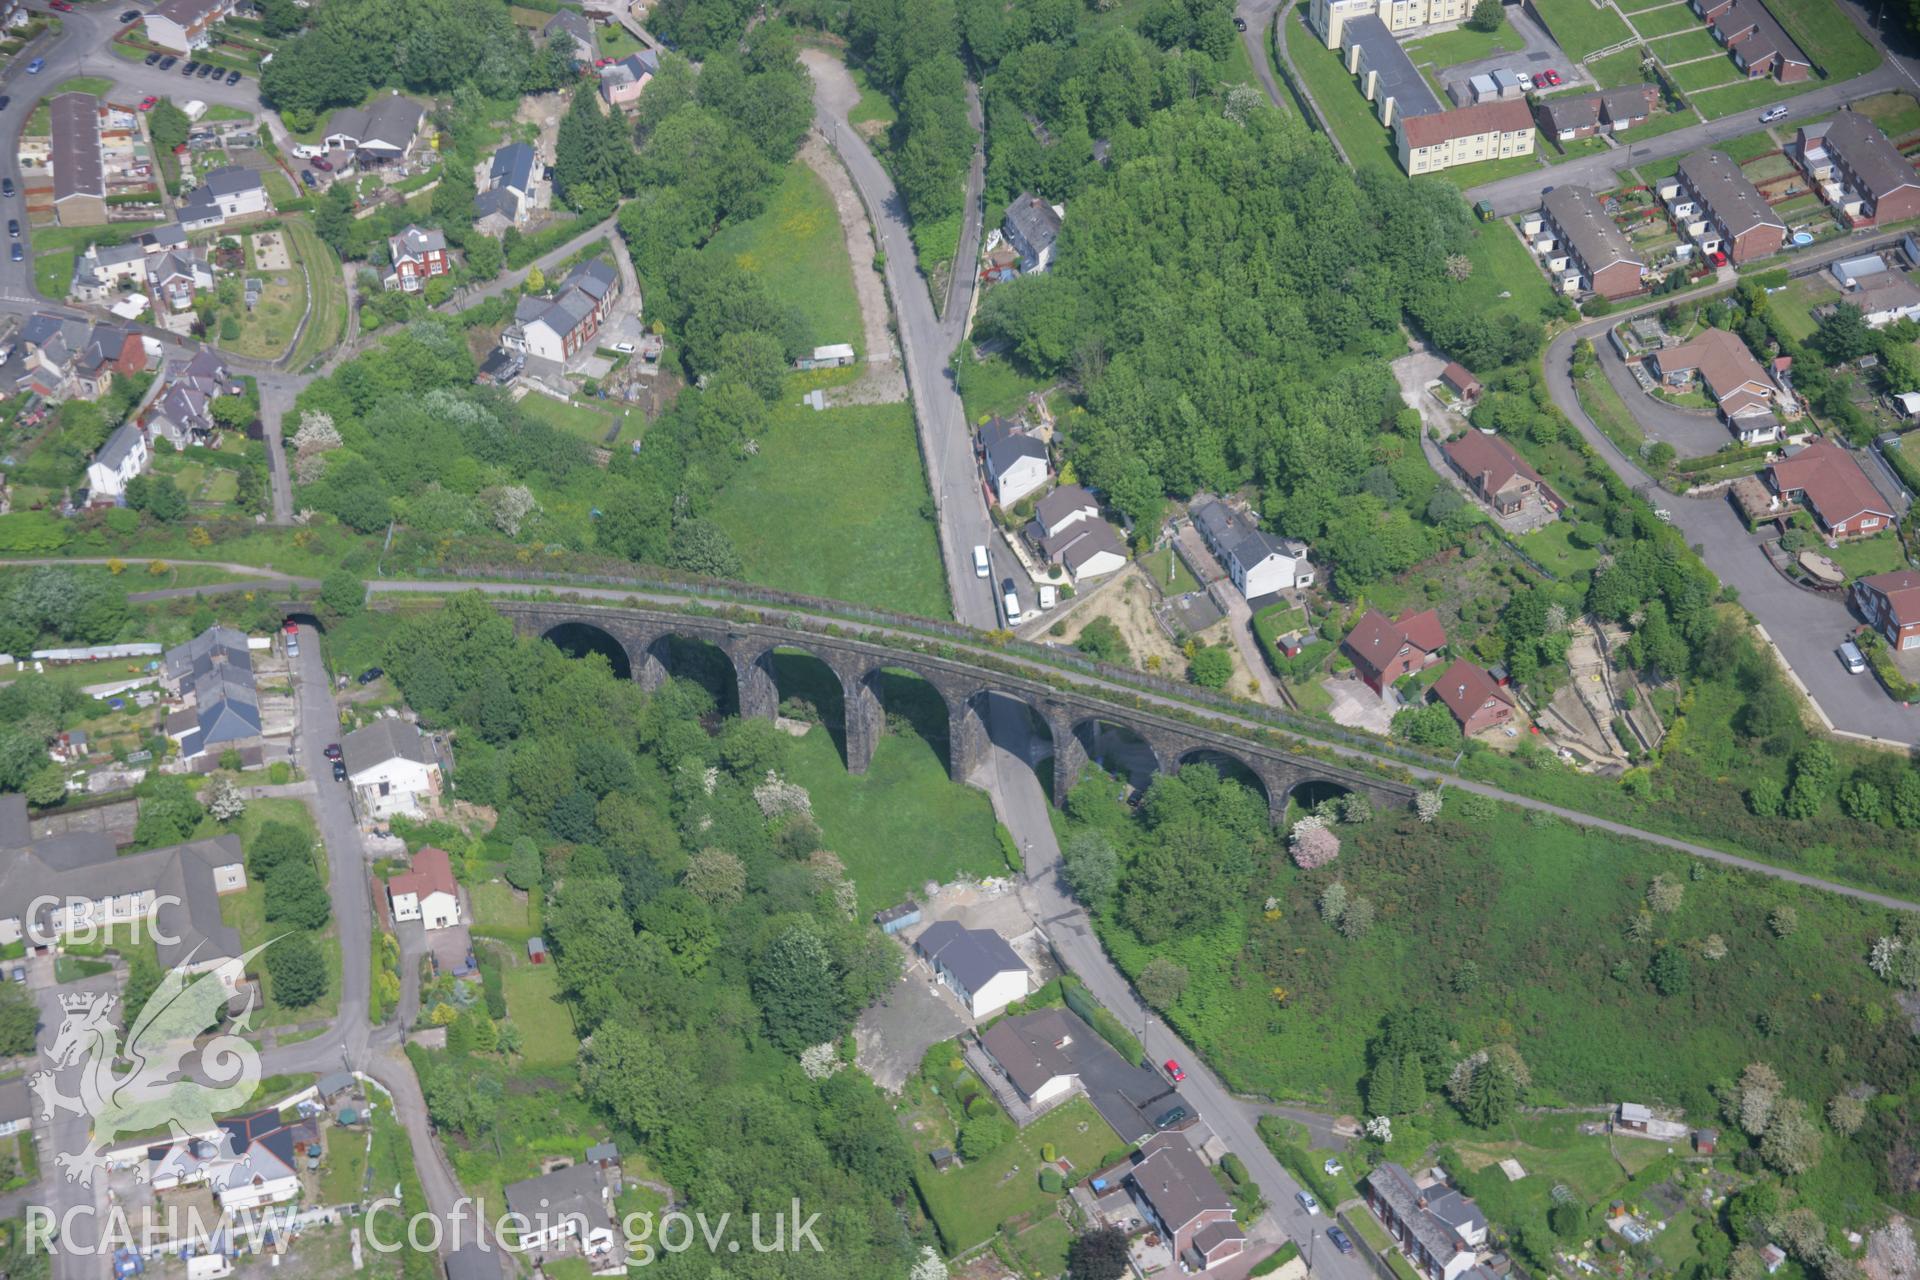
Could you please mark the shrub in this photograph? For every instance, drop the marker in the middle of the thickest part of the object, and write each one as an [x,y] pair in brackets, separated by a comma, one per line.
[1051,1182]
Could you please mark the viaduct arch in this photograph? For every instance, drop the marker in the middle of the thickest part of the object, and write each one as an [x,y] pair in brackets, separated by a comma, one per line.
[645,637]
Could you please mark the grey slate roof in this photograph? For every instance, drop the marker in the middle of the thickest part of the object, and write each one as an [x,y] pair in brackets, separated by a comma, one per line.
[1582,112]
[1397,77]
[1062,502]
[334,1082]
[1589,232]
[416,240]
[1034,220]
[389,123]
[571,21]
[216,644]
[1875,161]
[230,180]
[119,445]
[633,67]
[89,869]
[595,277]
[1393,1184]
[383,740]
[1629,102]
[74,121]
[1171,1177]
[498,200]
[513,166]
[560,1194]
[1003,453]
[1031,1047]
[973,956]
[1098,537]
[1717,180]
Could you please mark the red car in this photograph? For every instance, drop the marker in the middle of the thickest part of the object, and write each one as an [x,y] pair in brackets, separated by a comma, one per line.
[323,164]
[332,751]
[292,628]
[1174,1072]
[603,62]
[146,103]
[64,6]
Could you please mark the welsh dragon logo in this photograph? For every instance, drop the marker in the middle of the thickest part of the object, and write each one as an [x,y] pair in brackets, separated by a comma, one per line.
[155,1092]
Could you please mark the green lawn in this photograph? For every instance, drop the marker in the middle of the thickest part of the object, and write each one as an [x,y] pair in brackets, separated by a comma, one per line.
[1793,308]
[1616,69]
[994,387]
[53,249]
[873,108]
[1348,115]
[533,1005]
[573,418]
[1580,29]
[343,1168]
[1462,45]
[327,320]
[1501,264]
[796,248]
[836,504]
[902,822]
[1866,556]
[246,913]
[1472,175]
[1609,412]
[1749,95]
[1685,47]
[1828,36]
[278,188]
[501,911]
[84,84]
[1551,546]
[1665,22]
[969,1203]
[1897,114]
[1697,76]
[1170,571]
[1751,146]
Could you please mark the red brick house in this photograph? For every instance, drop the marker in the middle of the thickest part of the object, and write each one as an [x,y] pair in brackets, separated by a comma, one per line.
[1465,387]
[1383,651]
[1183,1201]
[1478,703]
[1890,602]
[418,256]
[1826,480]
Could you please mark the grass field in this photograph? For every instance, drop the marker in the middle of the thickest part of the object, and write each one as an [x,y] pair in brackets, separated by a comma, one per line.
[969,1203]
[1551,546]
[575,419]
[533,1003]
[836,504]
[1169,571]
[874,107]
[1685,47]
[1501,264]
[1640,6]
[1696,76]
[1462,45]
[1897,114]
[1793,309]
[1834,43]
[246,912]
[1608,411]
[84,84]
[1665,22]
[1350,116]
[796,248]
[902,822]
[994,387]
[1580,29]
[1472,175]
[327,316]
[1748,95]
[1616,69]
[501,911]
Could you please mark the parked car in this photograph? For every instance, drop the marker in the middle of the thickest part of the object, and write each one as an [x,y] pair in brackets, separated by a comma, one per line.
[233,77]
[332,751]
[1174,1071]
[129,15]
[1526,81]
[64,6]
[1307,1201]
[13,228]
[1851,658]
[982,567]
[166,63]
[1773,113]
[339,771]
[6,186]
[1239,23]
[1012,598]
[624,348]
[206,69]
[293,646]
[291,627]
[370,675]
[1170,1117]
[152,58]
[192,66]
[17,255]
[1548,77]
[5,102]
[1340,1239]
[19,973]
[36,66]
[147,103]
[323,164]
[306,176]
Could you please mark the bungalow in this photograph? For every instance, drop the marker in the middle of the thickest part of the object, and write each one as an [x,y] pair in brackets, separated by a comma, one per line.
[426,892]
[379,133]
[976,964]
[1890,603]
[1828,482]
[1031,1051]
[572,27]
[1747,395]
[1500,477]
[390,765]
[120,459]
[418,255]
[1477,701]
[262,1168]
[1438,1229]
[181,26]
[1383,651]
[1032,227]
[570,1207]
[1179,1196]
[622,83]
[1886,299]
[1259,563]
[1857,170]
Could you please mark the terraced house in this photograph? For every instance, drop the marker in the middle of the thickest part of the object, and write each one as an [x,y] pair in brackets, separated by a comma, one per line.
[1859,173]
[1712,202]
[1465,135]
[1759,45]
[1583,250]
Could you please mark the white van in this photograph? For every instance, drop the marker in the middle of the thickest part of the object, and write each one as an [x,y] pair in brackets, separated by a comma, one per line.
[1012,600]
[1047,597]
[981,568]
[1851,658]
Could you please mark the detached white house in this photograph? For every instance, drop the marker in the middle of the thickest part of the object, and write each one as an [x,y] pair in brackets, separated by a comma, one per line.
[1258,562]
[427,892]
[1016,465]
[120,459]
[977,964]
[390,765]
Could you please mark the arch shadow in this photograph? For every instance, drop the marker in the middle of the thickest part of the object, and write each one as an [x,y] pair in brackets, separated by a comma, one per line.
[1016,727]
[808,689]
[578,639]
[1309,793]
[1230,767]
[909,701]
[702,662]
[1119,750]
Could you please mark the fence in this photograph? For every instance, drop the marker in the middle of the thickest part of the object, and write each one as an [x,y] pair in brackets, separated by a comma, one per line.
[1364,1248]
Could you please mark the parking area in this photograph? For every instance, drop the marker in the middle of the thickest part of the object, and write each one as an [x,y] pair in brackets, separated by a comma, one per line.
[1539,53]
[1358,707]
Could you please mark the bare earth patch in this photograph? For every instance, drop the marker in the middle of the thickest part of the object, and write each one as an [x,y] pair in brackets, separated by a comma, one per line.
[881,379]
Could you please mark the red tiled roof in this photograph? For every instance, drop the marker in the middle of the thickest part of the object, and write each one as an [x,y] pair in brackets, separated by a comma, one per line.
[1423,630]
[1902,590]
[1489,458]
[1375,641]
[431,873]
[1511,116]
[1465,688]
[1833,482]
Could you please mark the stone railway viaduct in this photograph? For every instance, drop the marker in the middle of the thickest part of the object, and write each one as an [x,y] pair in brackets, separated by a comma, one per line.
[1072,719]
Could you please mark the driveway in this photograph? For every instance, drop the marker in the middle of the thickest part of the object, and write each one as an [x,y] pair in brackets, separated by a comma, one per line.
[895,1032]
[1358,707]
[1691,432]
[1538,53]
